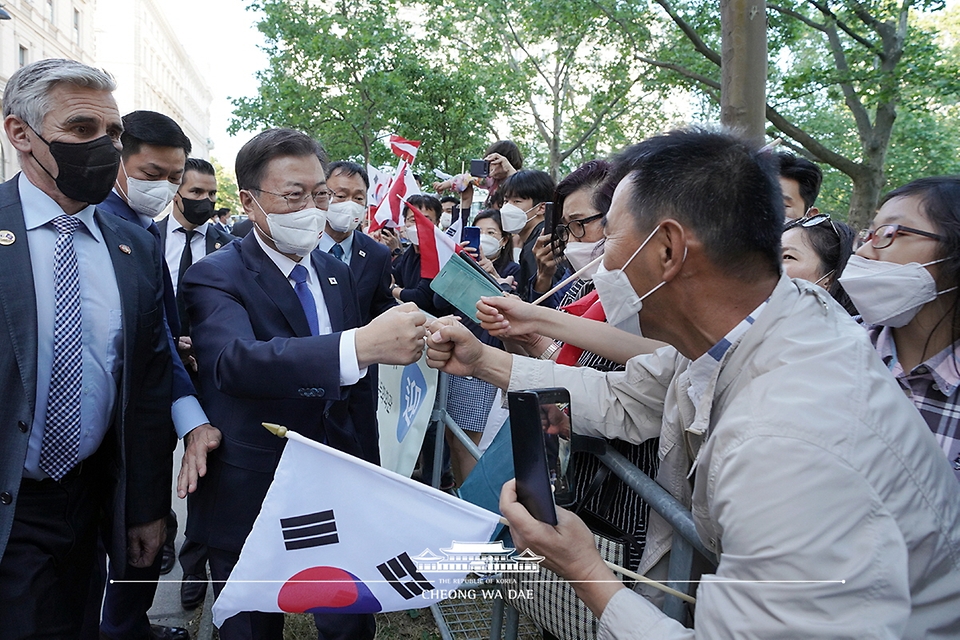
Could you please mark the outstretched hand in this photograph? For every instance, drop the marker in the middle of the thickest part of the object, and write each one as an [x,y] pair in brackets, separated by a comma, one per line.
[509,316]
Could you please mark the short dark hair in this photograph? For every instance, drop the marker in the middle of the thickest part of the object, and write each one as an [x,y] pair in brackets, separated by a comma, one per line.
[590,175]
[939,198]
[529,183]
[832,241]
[446,199]
[348,168]
[806,174]
[200,166]
[509,150]
[150,127]
[256,154]
[424,202]
[715,183]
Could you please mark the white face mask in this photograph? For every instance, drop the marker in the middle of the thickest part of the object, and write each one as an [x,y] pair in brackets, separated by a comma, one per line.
[513,218]
[490,247]
[148,197]
[579,255]
[297,232]
[886,293]
[446,219]
[345,216]
[411,234]
[620,302]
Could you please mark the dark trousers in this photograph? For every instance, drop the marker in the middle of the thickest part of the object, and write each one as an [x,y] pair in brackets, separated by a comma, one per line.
[193,558]
[46,567]
[125,601]
[253,625]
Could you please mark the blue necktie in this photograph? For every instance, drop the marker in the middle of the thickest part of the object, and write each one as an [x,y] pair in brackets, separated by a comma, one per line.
[60,448]
[337,251]
[299,276]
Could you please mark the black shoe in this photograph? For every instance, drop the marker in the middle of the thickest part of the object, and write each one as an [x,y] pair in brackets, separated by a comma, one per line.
[193,590]
[158,632]
[168,557]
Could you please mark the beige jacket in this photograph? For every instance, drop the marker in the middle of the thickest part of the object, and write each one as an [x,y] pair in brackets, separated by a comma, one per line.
[816,473]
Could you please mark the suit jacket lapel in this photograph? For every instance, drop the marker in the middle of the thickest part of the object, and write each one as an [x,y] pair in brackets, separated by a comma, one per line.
[275,285]
[332,295]
[358,261]
[17,294]
[127,284]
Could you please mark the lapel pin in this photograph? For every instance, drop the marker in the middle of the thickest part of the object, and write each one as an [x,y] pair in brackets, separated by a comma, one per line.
[127,250]
[216,245]
[7,237]
[363,254]
[332,280]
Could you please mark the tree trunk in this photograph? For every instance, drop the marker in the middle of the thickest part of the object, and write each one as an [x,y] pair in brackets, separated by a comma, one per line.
[866,194]
[744,66]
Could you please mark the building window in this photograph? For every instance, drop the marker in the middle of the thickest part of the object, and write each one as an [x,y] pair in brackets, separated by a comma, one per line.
[76,26]
[50,11]
[23,56]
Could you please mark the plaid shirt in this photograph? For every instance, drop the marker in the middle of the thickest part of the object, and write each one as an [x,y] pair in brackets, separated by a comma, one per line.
[932,385]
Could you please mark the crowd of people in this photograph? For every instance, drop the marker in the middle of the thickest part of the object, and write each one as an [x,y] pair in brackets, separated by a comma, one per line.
[791,382]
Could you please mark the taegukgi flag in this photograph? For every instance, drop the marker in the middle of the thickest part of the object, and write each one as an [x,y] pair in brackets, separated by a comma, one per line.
[337,534]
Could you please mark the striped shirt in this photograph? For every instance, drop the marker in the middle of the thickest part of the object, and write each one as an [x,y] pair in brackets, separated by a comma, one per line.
[932,385]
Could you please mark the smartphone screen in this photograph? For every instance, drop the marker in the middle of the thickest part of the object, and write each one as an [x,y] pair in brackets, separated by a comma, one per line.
[472,235]
[540,432]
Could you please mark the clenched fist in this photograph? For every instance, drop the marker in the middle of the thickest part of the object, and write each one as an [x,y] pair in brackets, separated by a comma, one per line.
[394,337]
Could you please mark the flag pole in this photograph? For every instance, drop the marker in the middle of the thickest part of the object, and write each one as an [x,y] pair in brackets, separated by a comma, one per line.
[569,279]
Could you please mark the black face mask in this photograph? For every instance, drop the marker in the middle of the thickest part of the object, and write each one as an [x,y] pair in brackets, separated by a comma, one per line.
[87,170]
[196,211]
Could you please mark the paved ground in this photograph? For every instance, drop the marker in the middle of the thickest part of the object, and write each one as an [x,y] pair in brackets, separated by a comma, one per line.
[166,605]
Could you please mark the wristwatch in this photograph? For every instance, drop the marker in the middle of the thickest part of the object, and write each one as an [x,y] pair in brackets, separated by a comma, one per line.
[396,252]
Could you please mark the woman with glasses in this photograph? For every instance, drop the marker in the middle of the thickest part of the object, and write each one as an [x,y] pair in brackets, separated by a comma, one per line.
[816,248]
[903,281]
[580,203]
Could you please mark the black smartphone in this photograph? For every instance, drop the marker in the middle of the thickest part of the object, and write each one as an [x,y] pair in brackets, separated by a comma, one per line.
[540,433]
[472,235]
[549,222]
[480,168]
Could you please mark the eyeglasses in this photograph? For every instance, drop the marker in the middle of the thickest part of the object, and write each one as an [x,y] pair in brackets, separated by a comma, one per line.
[812,221]
[883,236]
[297,199]
[576,228]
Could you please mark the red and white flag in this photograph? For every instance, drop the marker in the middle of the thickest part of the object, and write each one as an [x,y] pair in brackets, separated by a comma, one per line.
[402,186]
[403,148]
[436,247]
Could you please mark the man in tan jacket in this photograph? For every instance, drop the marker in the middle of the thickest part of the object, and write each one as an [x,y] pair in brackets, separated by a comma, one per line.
[826,498]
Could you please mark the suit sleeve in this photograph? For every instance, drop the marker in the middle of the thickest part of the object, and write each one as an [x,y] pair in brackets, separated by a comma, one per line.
[247,364]
[148,433]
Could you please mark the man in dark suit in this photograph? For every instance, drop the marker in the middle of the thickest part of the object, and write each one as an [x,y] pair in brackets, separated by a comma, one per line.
[369,261]
[242,228]
[294,355]
[151,169]
[187,235]
[85,363]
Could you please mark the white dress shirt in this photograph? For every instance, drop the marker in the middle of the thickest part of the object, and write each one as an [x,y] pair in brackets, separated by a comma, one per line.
[350,371]
[175,242]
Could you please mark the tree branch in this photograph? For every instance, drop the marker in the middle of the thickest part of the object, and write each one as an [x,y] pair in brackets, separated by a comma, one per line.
[821,152]
[826,11]
[702,79]
[850,97]
[798,16]
[691,33]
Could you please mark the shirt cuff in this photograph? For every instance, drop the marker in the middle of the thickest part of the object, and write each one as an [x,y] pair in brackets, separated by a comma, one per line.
[628,614]
[350,371]
[187,415]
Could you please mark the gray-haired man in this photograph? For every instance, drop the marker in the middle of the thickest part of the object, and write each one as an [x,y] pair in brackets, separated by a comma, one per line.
[84,360]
